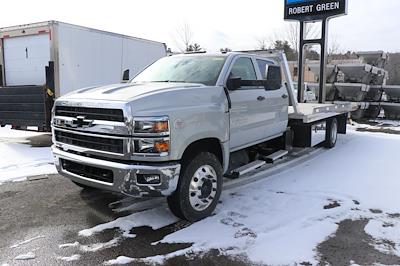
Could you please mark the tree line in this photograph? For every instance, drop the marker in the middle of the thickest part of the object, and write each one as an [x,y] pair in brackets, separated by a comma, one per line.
[286,40]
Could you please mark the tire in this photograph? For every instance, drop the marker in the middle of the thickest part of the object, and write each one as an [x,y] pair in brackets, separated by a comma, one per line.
[193,203]
[331,133]
[83,186]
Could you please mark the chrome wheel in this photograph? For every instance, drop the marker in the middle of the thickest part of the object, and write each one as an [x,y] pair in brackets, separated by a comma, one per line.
[203,187]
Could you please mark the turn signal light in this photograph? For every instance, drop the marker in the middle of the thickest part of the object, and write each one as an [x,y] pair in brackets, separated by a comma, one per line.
[161,146]
[161,126]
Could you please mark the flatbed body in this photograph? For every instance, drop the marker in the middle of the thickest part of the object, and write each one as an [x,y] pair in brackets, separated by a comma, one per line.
[313,112]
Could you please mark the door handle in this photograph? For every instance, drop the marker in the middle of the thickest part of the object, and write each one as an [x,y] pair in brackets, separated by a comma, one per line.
[260,98]
[284,96]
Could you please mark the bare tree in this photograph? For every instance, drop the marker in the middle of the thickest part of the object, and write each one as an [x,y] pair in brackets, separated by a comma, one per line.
[334,45]
[262,43]
[184,37]
[292,33]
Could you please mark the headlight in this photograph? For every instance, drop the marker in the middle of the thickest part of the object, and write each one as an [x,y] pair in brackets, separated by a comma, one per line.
[153,133]
[158,146]
[151,125]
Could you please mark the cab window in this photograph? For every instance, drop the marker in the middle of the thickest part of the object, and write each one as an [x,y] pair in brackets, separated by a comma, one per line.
[243,68]
[263,66]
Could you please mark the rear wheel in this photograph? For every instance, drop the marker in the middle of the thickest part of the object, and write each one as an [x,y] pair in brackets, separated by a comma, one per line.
[199,188]
[331,133]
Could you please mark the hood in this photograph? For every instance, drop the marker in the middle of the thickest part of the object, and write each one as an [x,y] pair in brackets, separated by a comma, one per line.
[125,91]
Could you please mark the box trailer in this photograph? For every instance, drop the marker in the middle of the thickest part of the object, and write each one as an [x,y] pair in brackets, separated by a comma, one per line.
[42,61]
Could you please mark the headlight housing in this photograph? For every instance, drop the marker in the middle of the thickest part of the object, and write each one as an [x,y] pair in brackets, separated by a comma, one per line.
[151,125]
[152,146]
[152,136]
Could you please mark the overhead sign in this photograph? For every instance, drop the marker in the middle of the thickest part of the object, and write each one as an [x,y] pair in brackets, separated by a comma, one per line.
[310,10]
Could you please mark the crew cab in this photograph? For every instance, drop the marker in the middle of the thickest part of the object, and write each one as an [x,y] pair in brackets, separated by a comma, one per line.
[182,125]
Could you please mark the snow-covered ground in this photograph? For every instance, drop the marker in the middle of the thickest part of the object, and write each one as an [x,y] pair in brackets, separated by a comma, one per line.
[19,160]
[280,220]
[378,124]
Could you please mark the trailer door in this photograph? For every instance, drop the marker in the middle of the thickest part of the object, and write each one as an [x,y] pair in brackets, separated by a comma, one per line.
[25,59]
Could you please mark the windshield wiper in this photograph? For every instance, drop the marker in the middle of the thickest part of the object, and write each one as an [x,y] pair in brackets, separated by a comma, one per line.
[172,81]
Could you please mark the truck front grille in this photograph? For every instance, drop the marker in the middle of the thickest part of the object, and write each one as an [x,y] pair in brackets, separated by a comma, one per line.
[90,142]
[115,115]
[87,171]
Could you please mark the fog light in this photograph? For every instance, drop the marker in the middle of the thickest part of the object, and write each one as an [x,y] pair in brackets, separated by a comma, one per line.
[64,164]
[148,179]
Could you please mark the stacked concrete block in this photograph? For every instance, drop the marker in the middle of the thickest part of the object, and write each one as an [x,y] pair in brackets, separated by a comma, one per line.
[374,93]
[361,80]
[375,58]
[351,92]
[392,93]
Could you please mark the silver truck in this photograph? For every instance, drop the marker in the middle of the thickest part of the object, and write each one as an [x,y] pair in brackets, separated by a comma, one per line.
[184,124]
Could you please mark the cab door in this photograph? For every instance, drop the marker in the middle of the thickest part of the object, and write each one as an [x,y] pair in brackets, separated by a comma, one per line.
[250,111]
[277,101]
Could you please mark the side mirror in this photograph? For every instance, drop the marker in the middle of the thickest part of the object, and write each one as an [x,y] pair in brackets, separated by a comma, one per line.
[274,78]
[125,76]
[233,83]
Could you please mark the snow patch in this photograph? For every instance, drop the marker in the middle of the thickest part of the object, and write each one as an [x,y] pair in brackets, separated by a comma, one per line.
[22,160]
[68,245]
[100,246]
[119,260]
[155,218]
[386,232]
[26,241]
[27,256]
[70,258]
[8,133]
[378,125]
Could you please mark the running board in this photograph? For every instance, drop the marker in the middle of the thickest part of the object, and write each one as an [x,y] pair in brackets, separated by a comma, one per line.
[275,156]
[246,169]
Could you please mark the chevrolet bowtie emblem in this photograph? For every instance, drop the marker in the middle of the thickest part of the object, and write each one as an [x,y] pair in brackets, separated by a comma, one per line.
[82,122]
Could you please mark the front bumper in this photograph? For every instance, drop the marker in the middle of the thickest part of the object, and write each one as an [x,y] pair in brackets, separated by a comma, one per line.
[124,175]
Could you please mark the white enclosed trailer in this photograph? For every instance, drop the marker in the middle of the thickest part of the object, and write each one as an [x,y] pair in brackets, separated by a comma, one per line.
[44,60]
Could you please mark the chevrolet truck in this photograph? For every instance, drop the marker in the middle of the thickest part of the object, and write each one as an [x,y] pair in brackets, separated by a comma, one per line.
[185,123]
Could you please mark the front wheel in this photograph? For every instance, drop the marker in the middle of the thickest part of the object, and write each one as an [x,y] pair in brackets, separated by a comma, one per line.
[199,188]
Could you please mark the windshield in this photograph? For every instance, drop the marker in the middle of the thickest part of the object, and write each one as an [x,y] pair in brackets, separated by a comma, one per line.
[193,69]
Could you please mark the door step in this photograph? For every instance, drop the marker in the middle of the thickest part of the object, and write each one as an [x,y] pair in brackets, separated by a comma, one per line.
[275,156]
[246,169]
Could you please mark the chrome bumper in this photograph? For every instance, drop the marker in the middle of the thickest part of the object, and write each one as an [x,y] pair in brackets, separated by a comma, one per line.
[124,175]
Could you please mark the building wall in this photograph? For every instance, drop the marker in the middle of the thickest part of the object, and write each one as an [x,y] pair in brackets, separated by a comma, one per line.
[308,75]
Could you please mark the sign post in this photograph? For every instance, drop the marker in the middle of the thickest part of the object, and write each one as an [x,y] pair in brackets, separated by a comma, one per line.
[310,11]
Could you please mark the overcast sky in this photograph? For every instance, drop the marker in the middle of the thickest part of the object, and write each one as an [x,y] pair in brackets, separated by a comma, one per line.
[370,24]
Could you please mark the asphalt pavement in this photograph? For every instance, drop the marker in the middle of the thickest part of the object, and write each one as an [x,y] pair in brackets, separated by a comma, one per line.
[54,209]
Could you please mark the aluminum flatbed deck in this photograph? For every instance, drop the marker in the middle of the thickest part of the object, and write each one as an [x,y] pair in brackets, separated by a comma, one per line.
[308,112]
[312,112]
